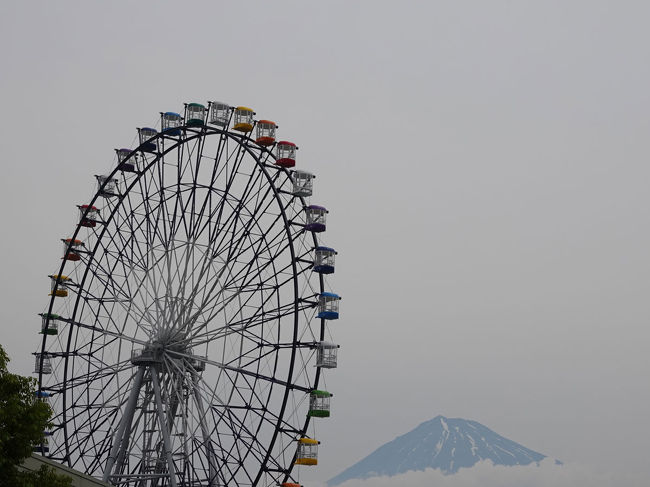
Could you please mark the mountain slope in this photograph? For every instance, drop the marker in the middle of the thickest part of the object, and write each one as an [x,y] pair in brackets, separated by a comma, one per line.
[441,443]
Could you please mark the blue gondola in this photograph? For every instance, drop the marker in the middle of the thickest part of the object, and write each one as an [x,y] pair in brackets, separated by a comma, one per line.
[328,306]
[171,123]
[324,260]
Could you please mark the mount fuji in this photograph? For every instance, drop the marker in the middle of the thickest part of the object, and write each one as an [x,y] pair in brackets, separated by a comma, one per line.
[446,444]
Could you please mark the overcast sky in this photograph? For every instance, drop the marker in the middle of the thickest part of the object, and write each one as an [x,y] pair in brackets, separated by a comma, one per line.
[485,164]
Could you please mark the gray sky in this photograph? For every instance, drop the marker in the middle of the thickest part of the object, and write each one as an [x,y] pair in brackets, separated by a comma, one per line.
[485,165]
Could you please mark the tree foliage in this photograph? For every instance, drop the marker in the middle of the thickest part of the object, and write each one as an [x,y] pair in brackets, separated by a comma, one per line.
[23,419]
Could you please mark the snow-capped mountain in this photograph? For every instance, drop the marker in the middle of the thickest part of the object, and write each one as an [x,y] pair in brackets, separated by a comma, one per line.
[442,443]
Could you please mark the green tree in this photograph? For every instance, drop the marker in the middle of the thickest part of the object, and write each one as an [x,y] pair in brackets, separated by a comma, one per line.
[23,419]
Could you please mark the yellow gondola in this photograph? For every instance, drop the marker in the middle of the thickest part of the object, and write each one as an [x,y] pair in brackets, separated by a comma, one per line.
[243,119]
[61,290]
[307,452]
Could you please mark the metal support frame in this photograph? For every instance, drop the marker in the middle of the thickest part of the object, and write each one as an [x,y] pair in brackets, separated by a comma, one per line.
[212,459]
[122,433]
[163,428]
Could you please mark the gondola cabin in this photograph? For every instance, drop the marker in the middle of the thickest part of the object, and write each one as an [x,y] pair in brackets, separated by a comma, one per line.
[328,306]
[171,123]
[303,183]
[72,249]
[107,186]
[43,364]
[219,114]
[42,396]
[197,362]
[148,142]
[285,154]
[266,132]
[319,404]
[89,216]
[315,218]
[59,285]
[243,119]
[50,324]
[42,447]
[324,260]
[195,115]
[125,163]
[327,355]
[307,452]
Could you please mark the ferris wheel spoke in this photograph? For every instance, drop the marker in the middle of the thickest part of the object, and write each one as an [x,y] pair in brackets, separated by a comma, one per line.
[187,209]
[259,316]
[145,280]
[261,205]
[259,309]
[241,327]
[211,186]
[257,246]
[243,435]
[206,301]
[238,157]
[89,377]
[93,418]
[238,431]
[217,214]
[269,259]
[178,200]
[125,301]
[113,334]
[130,248]
[241,371]
[98,415]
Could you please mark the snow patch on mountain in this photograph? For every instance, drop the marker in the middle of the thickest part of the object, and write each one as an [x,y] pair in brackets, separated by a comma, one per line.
[444,444]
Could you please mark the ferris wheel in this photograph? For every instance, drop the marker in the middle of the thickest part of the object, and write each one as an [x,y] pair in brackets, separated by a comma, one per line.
[187,327]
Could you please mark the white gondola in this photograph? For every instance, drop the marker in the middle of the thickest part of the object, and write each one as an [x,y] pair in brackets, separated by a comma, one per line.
[327,355]
[303,183]
[219,114]
[43,364]
[126,162]
[107,186]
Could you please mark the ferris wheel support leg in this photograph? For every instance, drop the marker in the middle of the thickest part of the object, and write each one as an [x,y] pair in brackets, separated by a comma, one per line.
[163,429]
[125,425]
[212,461]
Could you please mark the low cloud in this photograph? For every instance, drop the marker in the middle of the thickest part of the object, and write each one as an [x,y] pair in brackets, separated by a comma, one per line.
[485,474]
